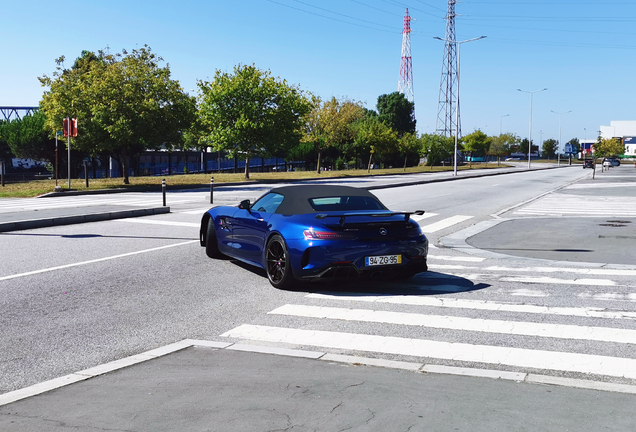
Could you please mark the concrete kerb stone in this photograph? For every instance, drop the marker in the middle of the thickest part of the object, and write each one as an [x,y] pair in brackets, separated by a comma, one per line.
[76,219]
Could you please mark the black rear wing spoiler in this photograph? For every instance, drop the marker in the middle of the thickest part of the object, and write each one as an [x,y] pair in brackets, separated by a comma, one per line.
[342,216]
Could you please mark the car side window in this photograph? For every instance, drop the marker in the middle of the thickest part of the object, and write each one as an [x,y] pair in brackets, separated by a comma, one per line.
[268,203]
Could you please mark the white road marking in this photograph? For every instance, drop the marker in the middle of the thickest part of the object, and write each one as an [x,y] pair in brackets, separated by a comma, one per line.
[630,297]
[549,280]
[503,278]
[559,331]
[588,186]
[516,357]
[418,218]
[563,204]
[195,212]
[483,305]
[522,292]
[34,272]
[445,223]
[449,258]
[585,271]
[160,222]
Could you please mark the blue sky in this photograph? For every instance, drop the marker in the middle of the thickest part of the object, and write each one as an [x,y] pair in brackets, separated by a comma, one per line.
[582,51]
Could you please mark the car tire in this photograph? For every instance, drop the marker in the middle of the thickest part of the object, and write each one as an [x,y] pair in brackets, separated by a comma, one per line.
[211,242]
[277,263]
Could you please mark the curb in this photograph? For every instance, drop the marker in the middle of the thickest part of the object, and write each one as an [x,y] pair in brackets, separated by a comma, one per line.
[521,377]
[77,219]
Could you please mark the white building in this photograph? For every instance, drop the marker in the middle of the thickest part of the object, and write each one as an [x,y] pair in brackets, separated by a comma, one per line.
[625,129]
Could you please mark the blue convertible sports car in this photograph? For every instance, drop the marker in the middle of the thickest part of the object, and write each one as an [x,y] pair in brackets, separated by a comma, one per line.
[317,232]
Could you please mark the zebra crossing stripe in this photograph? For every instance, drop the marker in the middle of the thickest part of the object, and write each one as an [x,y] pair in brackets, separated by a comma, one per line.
[444,223]
[160,222]
[418,218]
[524,279]
[583,271]
[559,331]
[575,204]
[458,258]
[515,357]
[588,312]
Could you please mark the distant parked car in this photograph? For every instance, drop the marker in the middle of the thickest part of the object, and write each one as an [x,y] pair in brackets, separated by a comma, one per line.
[612,161]
[513,159]
[588,163]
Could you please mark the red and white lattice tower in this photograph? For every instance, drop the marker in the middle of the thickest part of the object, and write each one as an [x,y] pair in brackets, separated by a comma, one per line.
[405,85]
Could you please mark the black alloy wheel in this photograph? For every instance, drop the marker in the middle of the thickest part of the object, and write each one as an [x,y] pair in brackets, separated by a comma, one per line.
[278,268]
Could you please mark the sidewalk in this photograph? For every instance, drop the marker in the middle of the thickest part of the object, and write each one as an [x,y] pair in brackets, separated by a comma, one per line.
[217,386]
[23,220]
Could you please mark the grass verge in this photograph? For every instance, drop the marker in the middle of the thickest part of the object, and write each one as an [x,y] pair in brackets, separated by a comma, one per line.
[40,187]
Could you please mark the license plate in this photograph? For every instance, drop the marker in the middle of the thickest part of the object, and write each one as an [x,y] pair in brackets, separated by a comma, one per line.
[383,260]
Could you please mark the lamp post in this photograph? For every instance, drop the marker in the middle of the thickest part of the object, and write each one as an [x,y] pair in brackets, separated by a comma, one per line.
[559,148]
[530,133]
[459,44]
[501,121]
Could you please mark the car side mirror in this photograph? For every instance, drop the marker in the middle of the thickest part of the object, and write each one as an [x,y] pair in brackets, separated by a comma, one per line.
[245,205]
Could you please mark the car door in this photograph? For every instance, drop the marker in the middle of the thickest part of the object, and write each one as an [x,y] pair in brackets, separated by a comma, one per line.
[250,227]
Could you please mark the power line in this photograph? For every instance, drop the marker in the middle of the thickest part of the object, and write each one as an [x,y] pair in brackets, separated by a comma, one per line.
[330,18]
[343,15]
[378,9]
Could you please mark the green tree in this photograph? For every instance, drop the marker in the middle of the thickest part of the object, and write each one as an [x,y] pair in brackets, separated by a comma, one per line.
[523,146]
[397,112]
[606,147]
[501,145]
[550,147]
[409,144]
[331,124]
[476,143]
[436,148]
[5,150]
[28,138]
[125,103]
[376,138]
[249,112]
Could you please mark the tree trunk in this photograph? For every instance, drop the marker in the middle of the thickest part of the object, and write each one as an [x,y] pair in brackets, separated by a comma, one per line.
[404,162]
[124,166]
[318,171]
[369,166]
[247,168]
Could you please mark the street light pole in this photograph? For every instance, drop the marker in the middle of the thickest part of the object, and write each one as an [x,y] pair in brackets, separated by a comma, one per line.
[501,121]
[459,45]
[530,133]
[559,148]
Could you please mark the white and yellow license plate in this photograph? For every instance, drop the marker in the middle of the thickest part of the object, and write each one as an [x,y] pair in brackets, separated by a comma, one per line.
[383,260]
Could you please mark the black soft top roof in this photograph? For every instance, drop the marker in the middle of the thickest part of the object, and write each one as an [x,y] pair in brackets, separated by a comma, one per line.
[297,197]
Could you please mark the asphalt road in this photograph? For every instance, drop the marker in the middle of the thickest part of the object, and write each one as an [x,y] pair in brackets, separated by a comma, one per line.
[79,296]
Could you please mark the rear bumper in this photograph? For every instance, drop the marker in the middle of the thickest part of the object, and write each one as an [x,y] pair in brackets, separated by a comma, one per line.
[344,260]
[345,272]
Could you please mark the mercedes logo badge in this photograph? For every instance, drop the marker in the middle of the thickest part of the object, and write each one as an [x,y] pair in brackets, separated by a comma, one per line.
[383,231]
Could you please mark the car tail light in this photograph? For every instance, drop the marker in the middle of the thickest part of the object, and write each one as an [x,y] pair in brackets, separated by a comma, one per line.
[311,234]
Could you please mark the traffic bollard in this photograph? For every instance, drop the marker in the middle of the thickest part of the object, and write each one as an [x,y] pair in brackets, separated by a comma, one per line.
[212,190]
[163,191]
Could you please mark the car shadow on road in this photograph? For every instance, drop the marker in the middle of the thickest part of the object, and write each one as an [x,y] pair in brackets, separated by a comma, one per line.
[422,284]
[426,283]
